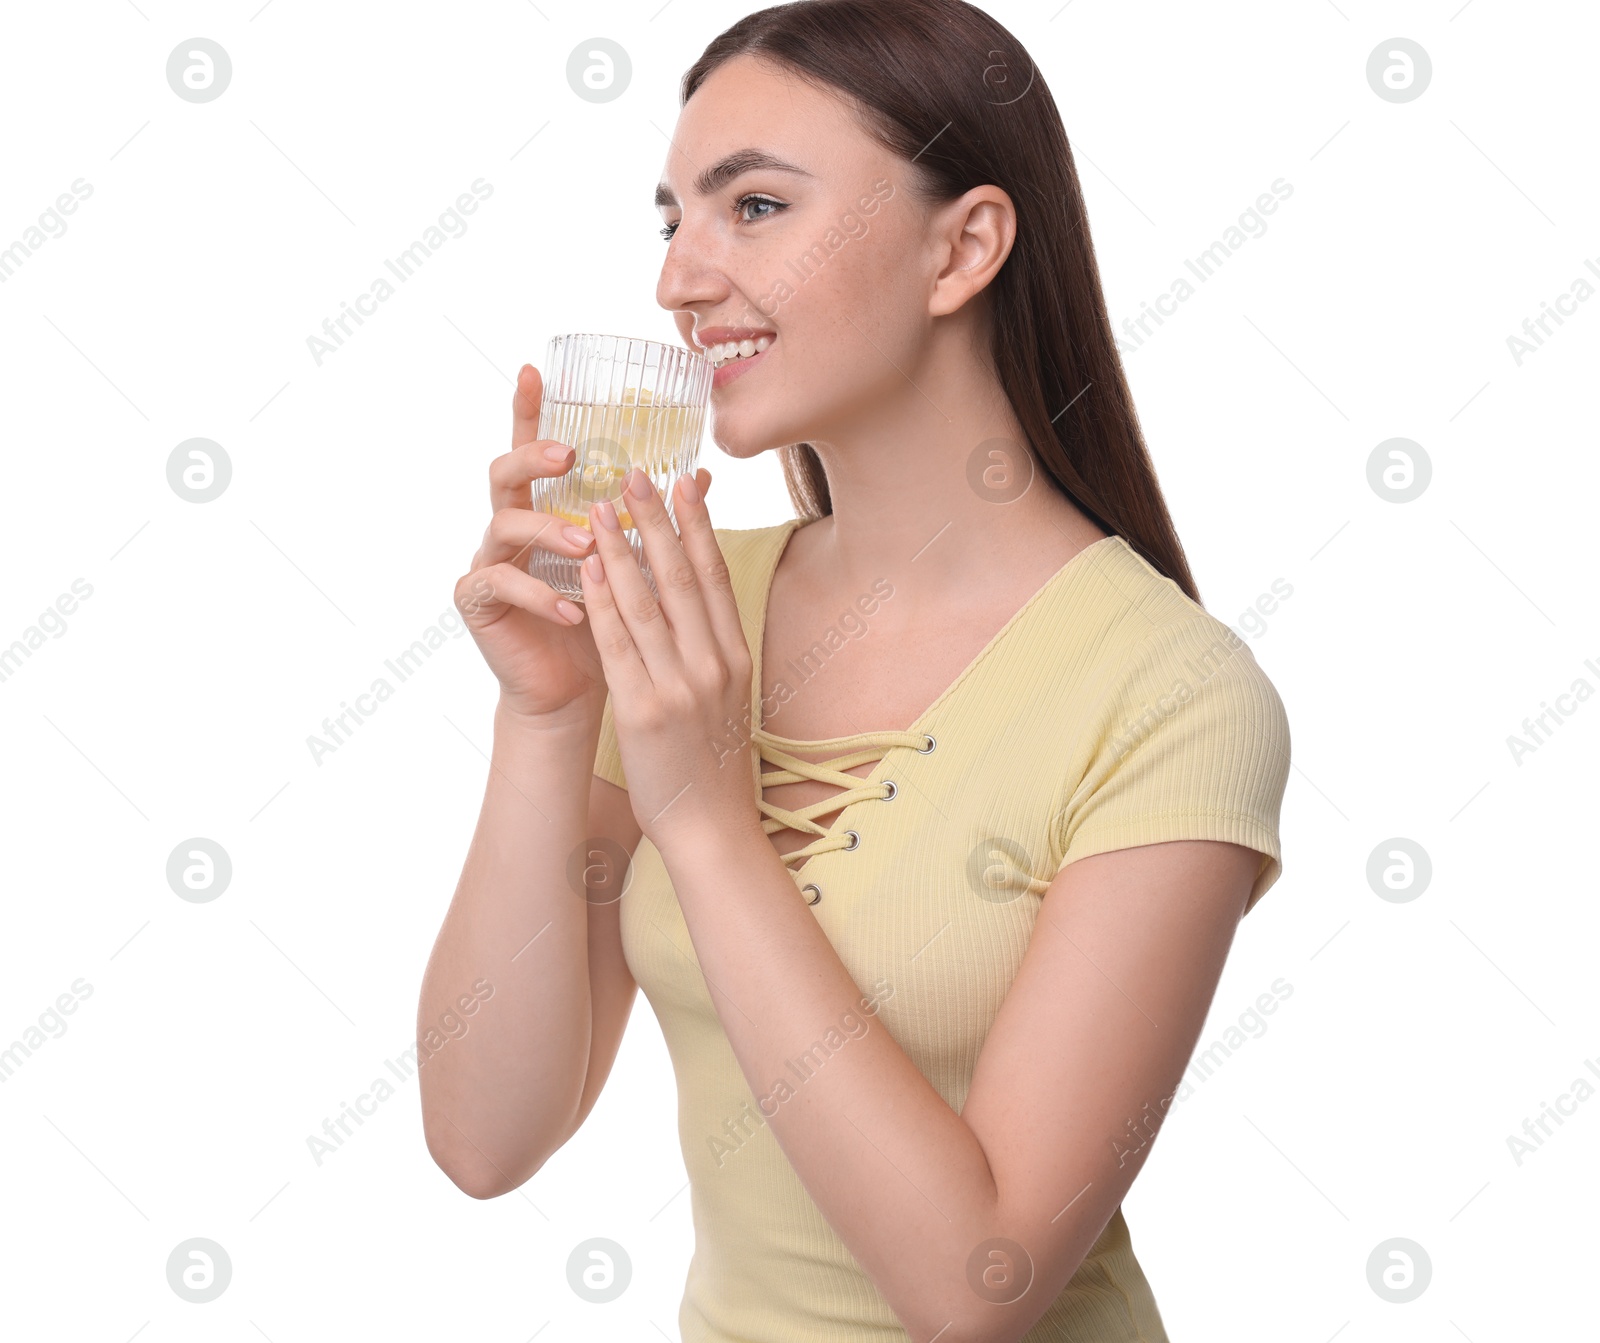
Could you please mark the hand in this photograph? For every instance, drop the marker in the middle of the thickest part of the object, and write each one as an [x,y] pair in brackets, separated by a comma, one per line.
[538,645]
[678,669]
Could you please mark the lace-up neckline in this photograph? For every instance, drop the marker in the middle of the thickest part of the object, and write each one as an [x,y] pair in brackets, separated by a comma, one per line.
[858,748]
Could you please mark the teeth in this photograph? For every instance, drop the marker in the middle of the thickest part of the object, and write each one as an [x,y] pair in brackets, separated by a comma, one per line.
[729,350]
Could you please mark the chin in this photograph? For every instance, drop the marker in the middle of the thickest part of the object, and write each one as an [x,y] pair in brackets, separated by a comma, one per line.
[744,440]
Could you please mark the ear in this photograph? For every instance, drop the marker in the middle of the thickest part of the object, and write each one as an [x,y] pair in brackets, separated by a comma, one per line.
[976,231]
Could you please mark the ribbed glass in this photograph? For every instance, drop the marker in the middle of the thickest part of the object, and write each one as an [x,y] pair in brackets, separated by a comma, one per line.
[618,402]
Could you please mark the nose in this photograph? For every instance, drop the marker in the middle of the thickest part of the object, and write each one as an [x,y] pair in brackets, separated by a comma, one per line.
[692,277]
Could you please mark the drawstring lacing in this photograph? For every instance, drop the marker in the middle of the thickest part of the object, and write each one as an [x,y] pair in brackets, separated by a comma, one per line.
[858,748]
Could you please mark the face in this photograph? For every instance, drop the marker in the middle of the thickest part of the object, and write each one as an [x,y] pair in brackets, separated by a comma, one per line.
[824,266]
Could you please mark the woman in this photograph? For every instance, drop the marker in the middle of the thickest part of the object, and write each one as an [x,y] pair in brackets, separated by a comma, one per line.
[943,799]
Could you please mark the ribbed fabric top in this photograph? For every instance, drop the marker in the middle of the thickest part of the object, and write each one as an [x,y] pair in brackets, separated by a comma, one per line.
[1109,711]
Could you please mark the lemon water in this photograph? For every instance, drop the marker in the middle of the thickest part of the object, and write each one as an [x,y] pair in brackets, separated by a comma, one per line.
[608,441]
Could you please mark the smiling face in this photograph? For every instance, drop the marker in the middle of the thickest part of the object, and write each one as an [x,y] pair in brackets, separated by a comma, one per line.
[828,260]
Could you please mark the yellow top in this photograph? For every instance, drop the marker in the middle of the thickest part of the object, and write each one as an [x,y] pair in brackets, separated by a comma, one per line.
[1110,711]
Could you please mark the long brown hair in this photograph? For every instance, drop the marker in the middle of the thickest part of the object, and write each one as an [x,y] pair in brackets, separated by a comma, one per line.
[948,89]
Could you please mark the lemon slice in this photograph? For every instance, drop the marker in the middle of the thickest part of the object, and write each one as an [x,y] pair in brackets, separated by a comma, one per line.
[578,519]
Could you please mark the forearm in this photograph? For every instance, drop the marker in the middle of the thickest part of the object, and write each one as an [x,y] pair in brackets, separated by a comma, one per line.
[502,1096]
[897,1173]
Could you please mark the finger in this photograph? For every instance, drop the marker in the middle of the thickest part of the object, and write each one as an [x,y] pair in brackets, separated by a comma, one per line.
[526,398]
[673,570]
[699,542]
[486,595]
[513,533]
[511,473]
[625,672]
[642,616]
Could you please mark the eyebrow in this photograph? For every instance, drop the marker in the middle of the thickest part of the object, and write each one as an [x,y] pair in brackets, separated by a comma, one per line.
[719,174]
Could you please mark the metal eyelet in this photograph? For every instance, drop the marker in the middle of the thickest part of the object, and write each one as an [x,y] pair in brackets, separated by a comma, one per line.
[932,742]
[890,795]
[855,841]
[812,886]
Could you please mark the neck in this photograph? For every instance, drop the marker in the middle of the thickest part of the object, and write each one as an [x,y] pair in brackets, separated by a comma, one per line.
[933,487]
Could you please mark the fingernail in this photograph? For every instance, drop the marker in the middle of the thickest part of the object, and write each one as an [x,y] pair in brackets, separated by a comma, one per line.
[639,484]
[687,487]
[597,570]
[607,515]
[569,612]
[579,536]
[556,453]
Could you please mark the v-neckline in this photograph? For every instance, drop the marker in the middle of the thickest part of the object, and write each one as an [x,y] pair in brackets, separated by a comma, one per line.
[1107,542]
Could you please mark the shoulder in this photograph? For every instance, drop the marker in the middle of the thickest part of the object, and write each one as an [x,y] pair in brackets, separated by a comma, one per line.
[751,554]
[1187,737]
[1153,644]
[742,546]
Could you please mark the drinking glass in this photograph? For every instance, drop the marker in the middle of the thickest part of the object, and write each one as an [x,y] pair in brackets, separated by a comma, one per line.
[618,402]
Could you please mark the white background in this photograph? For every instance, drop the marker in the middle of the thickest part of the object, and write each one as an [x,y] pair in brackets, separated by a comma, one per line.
[177,703]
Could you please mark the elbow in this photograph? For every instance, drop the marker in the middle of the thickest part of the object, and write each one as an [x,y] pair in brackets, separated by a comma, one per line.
[973,1320]
[470,1170]
[961,1324]
[477,1178]
[473,1183]
[996,1295]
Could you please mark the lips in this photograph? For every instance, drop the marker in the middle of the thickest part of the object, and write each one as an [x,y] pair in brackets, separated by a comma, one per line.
[737,368]
[708,337]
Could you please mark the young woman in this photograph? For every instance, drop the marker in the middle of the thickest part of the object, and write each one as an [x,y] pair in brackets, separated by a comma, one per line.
[943,799]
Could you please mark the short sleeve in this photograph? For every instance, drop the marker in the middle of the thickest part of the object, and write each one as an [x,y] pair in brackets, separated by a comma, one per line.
[1192,742]
[607,758]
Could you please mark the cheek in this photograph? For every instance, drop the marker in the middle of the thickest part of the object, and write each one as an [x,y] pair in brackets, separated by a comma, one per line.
[848,322]
[860,310]
[878,321]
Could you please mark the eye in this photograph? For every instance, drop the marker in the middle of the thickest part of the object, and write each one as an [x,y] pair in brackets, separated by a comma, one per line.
[738,207]
[758,200]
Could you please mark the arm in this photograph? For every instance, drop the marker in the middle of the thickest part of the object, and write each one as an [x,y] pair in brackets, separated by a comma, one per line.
[1093,1036]
[527,928]
[611,983]
[513,1087]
